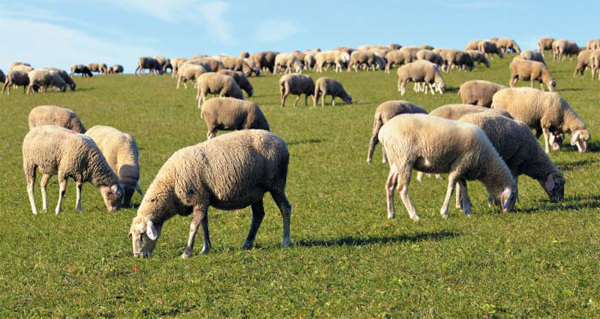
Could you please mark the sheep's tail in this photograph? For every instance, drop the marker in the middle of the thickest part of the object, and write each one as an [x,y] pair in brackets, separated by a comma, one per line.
[138,188]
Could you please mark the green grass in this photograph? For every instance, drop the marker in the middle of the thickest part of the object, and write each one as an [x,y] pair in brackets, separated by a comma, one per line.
[347,259]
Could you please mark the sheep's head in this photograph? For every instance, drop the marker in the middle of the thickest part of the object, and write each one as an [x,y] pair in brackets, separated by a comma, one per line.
[554,186]
[552,85]
[144,235]
[556,140]
[347,99]
[507,198]
[72,85]
[441,87]
[113,196]
[580,139]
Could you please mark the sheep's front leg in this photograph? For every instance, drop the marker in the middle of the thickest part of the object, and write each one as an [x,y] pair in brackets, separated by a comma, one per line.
[62,182]
[43,184]
[403,182]
[390,186]
[431,89]
[200,215]
[30,174]
[286,210]
[451,185]
[258,213]
[546,139]
[78,185]
[323,100]
[464,196]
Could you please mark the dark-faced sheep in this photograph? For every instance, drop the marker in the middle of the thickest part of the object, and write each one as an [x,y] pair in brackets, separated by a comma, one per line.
[328,86]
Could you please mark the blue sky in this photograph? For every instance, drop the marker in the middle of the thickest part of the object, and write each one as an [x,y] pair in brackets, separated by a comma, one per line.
[61,33]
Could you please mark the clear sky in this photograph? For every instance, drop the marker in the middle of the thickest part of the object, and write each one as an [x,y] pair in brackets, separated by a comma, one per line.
[64,32]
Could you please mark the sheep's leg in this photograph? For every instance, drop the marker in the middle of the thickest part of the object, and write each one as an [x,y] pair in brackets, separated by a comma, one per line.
[431,89]
[464,196]
[374,140]
[403,181]
[546,139]
[402,89]
[420,176]
[305,99]
[323,100]
[200,215]
[286,210]
[78,186]
[43,184]
[212,132]
[284,96]
[258,213]
[390,186]
[62,182]
[384,159]
[296,100]
[451,185]
[333,100]
[30,174]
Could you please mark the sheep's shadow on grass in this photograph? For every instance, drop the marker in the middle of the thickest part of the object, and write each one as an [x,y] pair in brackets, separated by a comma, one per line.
[305,141]
[451,89]
[575,203]
[569,166]
[364,241]
[571,89]
[85,89]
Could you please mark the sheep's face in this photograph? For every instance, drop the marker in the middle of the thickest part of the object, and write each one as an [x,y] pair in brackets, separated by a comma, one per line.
[580,139]
[73,85]
[554,187]
[552,86]
[556,141]
[113,196]
[144,235]
[347,99]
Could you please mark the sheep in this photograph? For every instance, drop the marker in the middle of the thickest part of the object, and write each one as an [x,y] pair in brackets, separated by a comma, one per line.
[360,58]
[15,64]
[339,58]
[545,112]
[288,61]
[81,69]
[532,56]
[411,51]
[530,70]
[175,64]
[42,79]
[545,44]
[478,92]
[55,115]
[265,60]
[473,45]
[421,71]
[583,62]
[17,78]
[478,58]
[229,114]
[328,86]
[236,64]
[384,112]
[163,63]
[210,64]
[244,55]
[430,56]
[394,46]
[189,72]
[94,67]
[309,61]
[595,59]
[593,44]
[149,63]
[115,69]
[301,55]
[426,47]
[457,58]
[121,153]
[241,80]
[435,145]
[561,48]
[64,75]
[456,111]
[211,174]
[59,151]
[490,48]
[396,58]
[296,84]
[216,83]
[520,151]
[2,77]
[505,44]
[22,68]
[254,67]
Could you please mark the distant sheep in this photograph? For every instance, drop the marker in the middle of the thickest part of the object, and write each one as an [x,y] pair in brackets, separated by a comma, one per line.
[473,45]
[148,63]
[532,56]
[478,92]
[478,58]
[545,44]
[328,86]
[296,84]
[55,115]
[421,71]
[333,57]
[561,48]
[396,58]
[229,114]
[241,80]
[530,70]
[16,78]
[506,45]
[595,59]
[115,69]
[81,69]
[490,48]
[40,80]
[215,83]
[189,72]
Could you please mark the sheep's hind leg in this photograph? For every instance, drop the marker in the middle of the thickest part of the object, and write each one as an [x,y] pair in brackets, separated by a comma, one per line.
[464,196]
[200,215]
[30,174]
[451,185]
[79,185]
[286,210]
[403,182]
[390,185]
[62,182]
[258,213]
[43,184]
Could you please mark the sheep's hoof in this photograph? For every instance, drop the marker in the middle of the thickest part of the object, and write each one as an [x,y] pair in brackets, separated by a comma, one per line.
[57,211]
[391,216]
[369,160]
[415,218]
[286,243]
[186,255]
[444,215]
[247,245]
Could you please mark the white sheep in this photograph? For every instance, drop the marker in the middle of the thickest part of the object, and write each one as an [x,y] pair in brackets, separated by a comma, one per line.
[55,115]
[561,48]
[595,59]
[229,114]
[584,61]
[64,75]
[478,92]
[121,153]
[215,83]
[55,150]
[435,145]
[396,57]
[473,45]
[241,80]
[545,112]
[328,86]
[149,63]
[490,48]
[593,44]
[545,44]
[333,57]
[189,72]
[16,78]
[530,70]
[42,79]
[296,84]
[229,172]
[478,57]
[421,71]
[81,69]
[289,61]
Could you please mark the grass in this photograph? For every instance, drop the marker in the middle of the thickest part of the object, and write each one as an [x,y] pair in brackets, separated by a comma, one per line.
[347,259]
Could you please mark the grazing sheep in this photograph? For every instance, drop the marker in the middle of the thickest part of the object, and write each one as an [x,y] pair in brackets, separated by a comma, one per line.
[478,92]
[584,61]
[16,78]
[396,58]
[229,114]
[236,64]
[149,63]
[229,172]
[411,51]
[457,58]
[490,48]
[64,75]
[478,58]
[394,46]
[561,48]
[545,44]
[431,56]
[456,111]
[164,63]
[288,61]
[530,70]
[309,61]
[360,59]
[328,86]
[175,64]
[22,68]
[15,64]
[94,67]
[216,83]
[435,145]
[532,56]
[385,112]
[265,60]
[58,151]
[241,80]
[301,55]
[2,77]
[42,79]
[333,57]
[520,151]
[421,71]
[593,44]
[545,112]
[55,115]
[189,72]
[115,69]
[81,69]
[595,59]
[210,64]
[121,153]
[505,44]
[473,45]
[296,84]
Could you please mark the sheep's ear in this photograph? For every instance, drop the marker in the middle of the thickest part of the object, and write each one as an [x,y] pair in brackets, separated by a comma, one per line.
[130,234]
[549,185]
[150,230]
[504,198]
[115,189]
[574,138]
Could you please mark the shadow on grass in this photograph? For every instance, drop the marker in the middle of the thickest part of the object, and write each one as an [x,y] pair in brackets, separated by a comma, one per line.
[571,89]
[451,89]
[363,241]
[569,166]
[305,141]
[575,202]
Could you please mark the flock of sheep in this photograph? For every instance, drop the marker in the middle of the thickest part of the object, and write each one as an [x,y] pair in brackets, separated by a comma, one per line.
[487,138]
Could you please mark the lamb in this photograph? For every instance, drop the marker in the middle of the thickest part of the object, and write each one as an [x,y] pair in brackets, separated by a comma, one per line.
[546,112]
[520,151]
[385,112]
[40,79]
[339,58]
[64,75]
[396,58]
[478,58]
[58,151]
[16,78]
[435,145]
[163,63]
[561,48]
[216,83]
[288,61]
[505,44]
[296,84]
[210,174]
[593,44]
[473,45]
[241,80]
[421,71]
[189,72]
[175,64]
[149,63]
[478,92]
[81,69]
[490,48]
[231,114]
[595,59]
[530,70]
[545,44]
[121,153]
[115,69]
[55,115]
[532,56]
[328,86]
